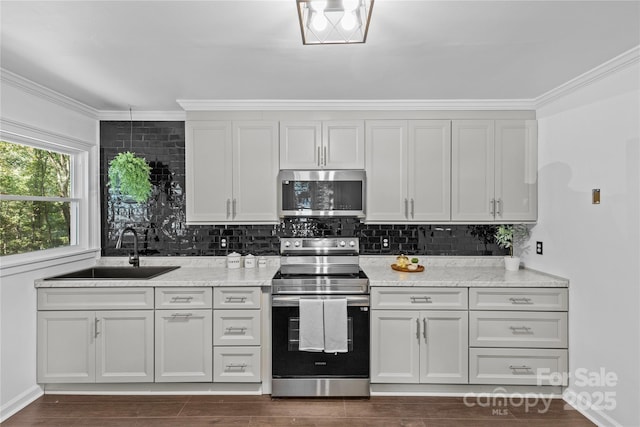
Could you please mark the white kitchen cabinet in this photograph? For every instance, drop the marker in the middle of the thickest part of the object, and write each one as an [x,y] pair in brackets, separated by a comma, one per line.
[408,170]
[95,346]
[231,171]
[183,347]
[419,347]
[329,144]
[494,170]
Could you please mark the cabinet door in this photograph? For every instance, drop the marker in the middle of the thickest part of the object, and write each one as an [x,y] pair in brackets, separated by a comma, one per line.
[343,144]
[183,346]
[472,170]
[516,185]
[66,347]
[444,347]
[429,170]
[395,346]
[208,152]
[124,346]
[300,145]
[255,172]
[386,159]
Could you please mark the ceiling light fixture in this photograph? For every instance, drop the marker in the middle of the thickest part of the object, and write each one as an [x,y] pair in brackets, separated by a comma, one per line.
[334,21]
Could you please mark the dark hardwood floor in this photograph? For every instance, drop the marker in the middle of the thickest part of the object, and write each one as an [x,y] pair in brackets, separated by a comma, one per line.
[198,410]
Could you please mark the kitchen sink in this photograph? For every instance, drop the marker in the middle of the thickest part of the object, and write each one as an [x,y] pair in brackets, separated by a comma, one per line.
[115,273]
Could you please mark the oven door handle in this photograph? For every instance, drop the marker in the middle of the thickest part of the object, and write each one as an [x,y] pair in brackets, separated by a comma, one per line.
[294,300]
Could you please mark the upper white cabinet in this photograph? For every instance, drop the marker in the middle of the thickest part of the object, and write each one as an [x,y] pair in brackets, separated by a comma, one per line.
[494,170]
[408,170]
[322,144]
[231,170]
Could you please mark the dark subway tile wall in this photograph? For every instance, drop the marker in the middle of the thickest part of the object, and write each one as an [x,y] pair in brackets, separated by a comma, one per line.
[162,231]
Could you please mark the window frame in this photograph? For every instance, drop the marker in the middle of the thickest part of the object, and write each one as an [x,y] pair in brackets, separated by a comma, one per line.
[80,154]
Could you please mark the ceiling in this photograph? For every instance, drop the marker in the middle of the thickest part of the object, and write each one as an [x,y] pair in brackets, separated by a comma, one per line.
[144,55]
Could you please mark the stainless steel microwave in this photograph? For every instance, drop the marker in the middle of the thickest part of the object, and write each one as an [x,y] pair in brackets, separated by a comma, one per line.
[320,193]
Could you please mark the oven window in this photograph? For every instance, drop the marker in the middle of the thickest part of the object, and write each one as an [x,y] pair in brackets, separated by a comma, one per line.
[293,334]
[321,195]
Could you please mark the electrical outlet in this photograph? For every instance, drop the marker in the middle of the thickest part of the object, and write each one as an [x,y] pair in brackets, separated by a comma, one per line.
[385,243]
[223,243]
[539,248]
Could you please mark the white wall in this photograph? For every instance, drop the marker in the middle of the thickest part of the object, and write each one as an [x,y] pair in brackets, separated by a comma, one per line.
[591,139]
[36,113]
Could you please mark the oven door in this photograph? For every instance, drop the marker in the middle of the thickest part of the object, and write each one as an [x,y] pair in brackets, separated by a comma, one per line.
[289,362]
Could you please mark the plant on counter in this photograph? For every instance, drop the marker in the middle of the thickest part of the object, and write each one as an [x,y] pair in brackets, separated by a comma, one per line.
[129,175]
[510,236]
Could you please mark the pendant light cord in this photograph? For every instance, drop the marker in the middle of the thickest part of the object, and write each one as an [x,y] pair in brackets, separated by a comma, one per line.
[130,130]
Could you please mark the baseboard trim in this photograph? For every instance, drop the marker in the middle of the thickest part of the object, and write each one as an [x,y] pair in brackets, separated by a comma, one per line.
[20,402]
[595,415]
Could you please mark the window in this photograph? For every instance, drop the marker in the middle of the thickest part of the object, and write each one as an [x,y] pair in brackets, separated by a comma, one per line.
[37,210]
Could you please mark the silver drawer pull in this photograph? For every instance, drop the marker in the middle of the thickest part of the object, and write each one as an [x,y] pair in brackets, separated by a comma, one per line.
[236,330]
[523,300]
[424,299]
[181,315]
[181,299]
[240,300]
[239,366]
[521,329]
[520,370]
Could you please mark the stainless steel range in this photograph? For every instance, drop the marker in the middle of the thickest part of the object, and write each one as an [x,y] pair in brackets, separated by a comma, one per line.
[314,271]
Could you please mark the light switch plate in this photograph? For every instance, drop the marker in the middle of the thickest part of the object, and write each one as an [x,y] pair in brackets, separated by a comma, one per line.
[595,196]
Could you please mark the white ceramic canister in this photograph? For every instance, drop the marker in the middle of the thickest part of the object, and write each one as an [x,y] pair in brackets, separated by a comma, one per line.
[249,261]
[262,262]
[233,260]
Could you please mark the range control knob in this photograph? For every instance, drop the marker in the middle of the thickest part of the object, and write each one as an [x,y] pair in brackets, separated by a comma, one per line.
[297,243]
[342,243]
[352,243]
[287,244]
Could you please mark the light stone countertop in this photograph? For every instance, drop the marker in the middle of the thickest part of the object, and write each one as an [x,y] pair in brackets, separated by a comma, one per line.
[439,272]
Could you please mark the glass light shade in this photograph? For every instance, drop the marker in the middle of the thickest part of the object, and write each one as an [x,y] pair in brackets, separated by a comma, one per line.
[334,21]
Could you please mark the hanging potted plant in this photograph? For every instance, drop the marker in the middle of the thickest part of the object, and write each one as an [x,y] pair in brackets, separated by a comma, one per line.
[129,175]
[509,236]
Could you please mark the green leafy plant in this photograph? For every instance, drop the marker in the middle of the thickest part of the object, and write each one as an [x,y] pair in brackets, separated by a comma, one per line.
[129,175]
[508,236]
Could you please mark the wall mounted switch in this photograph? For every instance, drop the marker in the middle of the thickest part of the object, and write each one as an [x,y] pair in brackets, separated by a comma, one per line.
[595,196]
[539,248]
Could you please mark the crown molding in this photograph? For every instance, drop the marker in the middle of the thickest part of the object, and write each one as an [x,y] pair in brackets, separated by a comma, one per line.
[618,63]
[47,94]
[160,116]
[14,131]
[361,105]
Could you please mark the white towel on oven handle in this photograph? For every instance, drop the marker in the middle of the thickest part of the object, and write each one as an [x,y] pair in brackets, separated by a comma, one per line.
[311,329]
[335,326]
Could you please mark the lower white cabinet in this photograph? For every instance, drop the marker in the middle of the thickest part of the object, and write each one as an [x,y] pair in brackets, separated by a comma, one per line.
[523,366]
[95,346]
[184,345]
[419,346]
[236,364]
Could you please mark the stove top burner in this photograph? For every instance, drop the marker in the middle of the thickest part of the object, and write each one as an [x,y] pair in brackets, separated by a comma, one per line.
[320,284]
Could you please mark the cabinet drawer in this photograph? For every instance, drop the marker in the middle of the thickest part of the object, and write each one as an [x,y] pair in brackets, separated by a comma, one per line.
[518,329]
[394,298]
[529,299]
[189,298]
[517,366]
[236,297]
[95,298]
[236,327]
[236,364]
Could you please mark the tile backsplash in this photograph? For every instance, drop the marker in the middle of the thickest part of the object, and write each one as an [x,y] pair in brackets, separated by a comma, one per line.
[162,231]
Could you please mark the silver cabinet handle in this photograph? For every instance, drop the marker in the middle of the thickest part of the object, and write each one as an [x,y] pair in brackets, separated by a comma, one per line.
[240,300]
[233,208]
[520,370]
[228,208]
[520,329]
[421,299]
[178,299]
[240,366]
[184,316]
[413,209]
[523,300]
[325,156]
[406,208]
[418,329]
[499,207]
[492,207]
[96,330]
[235,330]
[424,329]
[319,157]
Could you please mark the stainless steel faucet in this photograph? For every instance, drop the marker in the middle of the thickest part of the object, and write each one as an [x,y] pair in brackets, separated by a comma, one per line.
[134,259]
